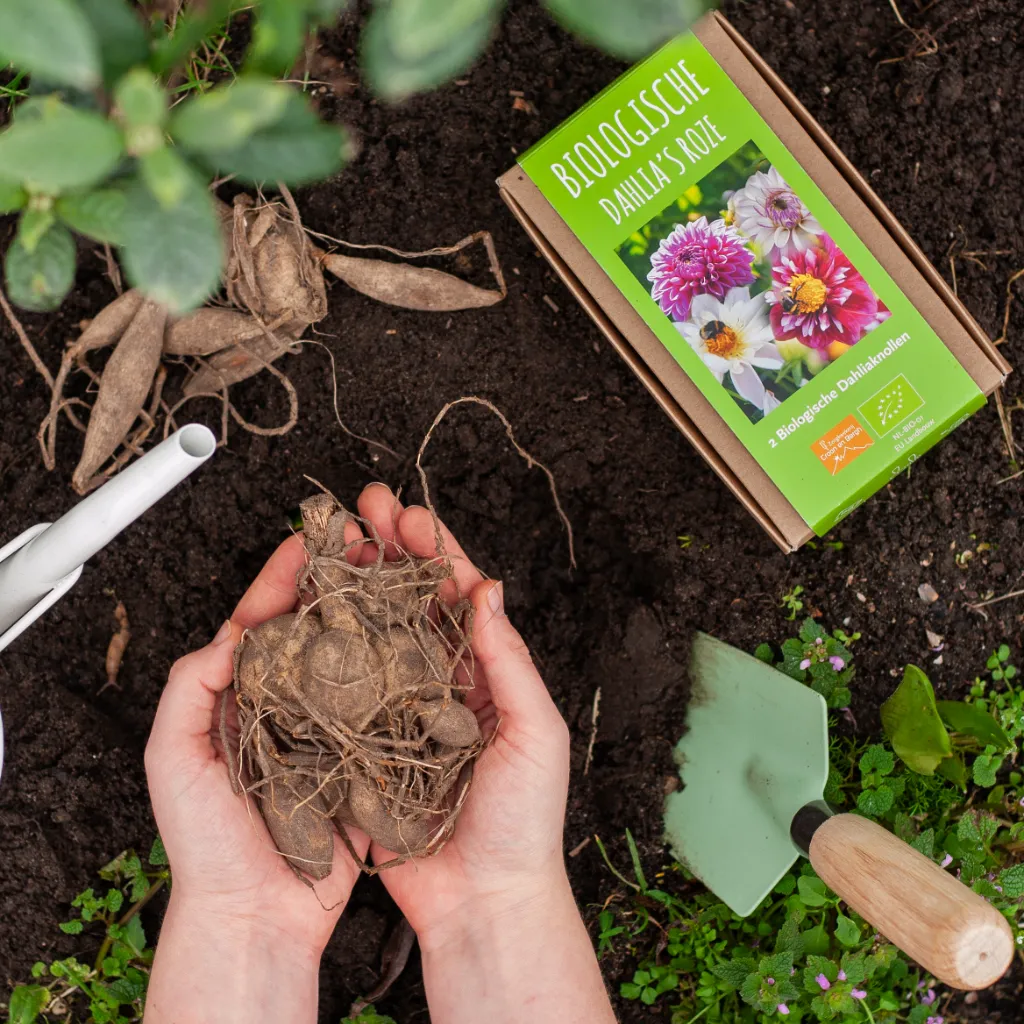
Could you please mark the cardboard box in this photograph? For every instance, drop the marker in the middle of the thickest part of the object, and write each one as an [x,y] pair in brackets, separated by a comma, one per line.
[729,251]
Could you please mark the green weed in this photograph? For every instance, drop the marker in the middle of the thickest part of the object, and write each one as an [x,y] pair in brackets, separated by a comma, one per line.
[113,989]
[368,1015]
[803,955]
[792,603]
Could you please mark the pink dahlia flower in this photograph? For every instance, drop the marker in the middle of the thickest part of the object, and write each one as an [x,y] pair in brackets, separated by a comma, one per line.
[767,210]
[818,297]
[698,258]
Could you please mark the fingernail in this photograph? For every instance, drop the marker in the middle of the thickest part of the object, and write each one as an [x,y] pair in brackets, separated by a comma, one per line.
[222,634]
[496,598]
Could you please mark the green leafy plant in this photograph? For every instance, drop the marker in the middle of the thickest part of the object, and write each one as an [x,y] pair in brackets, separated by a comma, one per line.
[105,145]
[410,45]
[121,125]
[803,955]
[113,987]
[815,657]
[368,1015]
[919,728]
[792,603]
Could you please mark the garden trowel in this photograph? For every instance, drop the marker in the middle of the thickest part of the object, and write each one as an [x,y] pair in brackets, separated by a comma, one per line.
[754,763]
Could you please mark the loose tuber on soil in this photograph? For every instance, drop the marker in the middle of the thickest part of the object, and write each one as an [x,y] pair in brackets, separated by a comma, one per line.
[351,710]
[274,290]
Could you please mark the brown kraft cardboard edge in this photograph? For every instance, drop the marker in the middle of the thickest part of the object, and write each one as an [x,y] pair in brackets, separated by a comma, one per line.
[647,357]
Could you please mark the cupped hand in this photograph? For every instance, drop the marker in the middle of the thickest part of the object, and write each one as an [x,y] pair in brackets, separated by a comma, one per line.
[507,845]
[223,861]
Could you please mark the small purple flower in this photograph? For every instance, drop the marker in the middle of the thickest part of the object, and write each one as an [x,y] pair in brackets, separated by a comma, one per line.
[859,993]
[842,975]
[770,981]
[805,664]
[837,663]
[935,1020]
[783,1009]
[698,258]
[823,982]
[1020,802]
[928,998]
[818,641]
[792,971]
[946,861]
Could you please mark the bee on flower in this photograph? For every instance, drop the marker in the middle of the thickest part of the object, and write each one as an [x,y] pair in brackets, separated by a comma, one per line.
[733,336]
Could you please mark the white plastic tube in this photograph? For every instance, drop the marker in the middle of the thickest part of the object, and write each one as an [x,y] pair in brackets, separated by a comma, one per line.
[32,572]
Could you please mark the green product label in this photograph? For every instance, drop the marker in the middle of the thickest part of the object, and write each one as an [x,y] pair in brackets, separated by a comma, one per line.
[752,280]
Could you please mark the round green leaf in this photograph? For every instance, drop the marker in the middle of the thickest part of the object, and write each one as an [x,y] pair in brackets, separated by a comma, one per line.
[412,45]
[627,30]
[51,39]
[229,114]
[847,931]
[98,214]
[172,254]
[298,149]
[39,280]
[12,197]
[56,147]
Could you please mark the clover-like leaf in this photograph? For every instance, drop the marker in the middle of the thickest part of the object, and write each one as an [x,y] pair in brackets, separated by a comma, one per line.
[876,760]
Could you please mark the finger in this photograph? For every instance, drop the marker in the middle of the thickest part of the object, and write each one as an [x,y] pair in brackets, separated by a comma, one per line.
[185,714]
[516,688]
[344,870]
[379,506]
[275,590]
[359,549]
[418,536]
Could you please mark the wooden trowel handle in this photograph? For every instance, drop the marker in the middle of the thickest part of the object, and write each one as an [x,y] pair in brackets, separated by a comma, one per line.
[936,920]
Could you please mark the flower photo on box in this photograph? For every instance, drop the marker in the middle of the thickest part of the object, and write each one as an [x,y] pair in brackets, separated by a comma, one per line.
[752,282]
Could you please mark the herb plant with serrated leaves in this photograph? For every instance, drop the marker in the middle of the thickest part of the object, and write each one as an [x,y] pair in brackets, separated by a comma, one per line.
[116,138]
[112,988]
[803,955]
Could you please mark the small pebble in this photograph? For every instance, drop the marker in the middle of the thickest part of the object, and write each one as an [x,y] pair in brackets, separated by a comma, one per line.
[927,593]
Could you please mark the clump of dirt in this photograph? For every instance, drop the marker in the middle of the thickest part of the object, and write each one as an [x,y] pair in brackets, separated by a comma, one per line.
[350,710]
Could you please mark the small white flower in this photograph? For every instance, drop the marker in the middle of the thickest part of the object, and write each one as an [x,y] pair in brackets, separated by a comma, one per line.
[734,336]
[768,211]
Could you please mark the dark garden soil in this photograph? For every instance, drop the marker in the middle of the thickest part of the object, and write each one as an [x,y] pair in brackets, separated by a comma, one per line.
[938,135]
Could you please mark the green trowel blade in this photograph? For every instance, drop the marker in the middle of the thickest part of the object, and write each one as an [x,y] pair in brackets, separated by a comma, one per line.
[755,752]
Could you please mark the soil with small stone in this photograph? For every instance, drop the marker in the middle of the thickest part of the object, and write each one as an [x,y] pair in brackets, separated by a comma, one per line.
[937,134]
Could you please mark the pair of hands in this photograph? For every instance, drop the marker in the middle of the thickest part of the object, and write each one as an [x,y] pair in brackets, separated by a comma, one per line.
[506,853]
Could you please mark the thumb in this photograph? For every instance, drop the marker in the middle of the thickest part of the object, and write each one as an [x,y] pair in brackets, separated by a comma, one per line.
[516,688]
[186,710]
